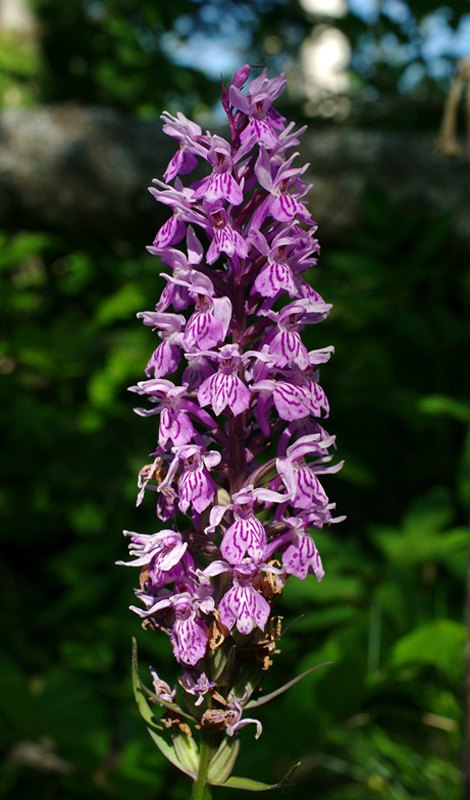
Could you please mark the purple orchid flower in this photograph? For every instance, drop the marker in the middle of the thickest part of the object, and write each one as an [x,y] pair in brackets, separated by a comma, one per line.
[197,683]
[263,120]
[195,485]
[226,239]
[225,388]
[176,291]
[167,356]
[235,705]
[242,605]
[302,555]
[241,450]
[221,185]
[210,321]
[188,133]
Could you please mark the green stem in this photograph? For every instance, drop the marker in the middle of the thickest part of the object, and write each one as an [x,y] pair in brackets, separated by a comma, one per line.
[201,789]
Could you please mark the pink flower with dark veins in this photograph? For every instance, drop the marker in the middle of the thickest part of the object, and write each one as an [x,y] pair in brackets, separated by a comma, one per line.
[225,388]
[195,486]
[221,185]
[188,133]
[226,239]
[263,119]
[210,321]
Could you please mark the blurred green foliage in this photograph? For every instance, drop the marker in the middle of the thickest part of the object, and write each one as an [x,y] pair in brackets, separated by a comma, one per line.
[112,54]
[142,56]
[20,68]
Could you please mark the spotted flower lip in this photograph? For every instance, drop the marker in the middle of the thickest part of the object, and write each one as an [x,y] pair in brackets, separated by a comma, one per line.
[234,395]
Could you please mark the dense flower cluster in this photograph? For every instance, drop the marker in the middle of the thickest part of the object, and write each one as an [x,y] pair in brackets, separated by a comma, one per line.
[240,446]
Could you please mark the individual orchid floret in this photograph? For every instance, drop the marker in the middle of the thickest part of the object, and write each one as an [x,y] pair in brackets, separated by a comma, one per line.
[263,119]
[226,239]
[188,636]
[180,199]
[225,388]
[291,402]
[197,683]
[195,485]
[276,276]
[210,321]
[166,548]
[167,356]
[176,291]
[163,557]
[300,478]
[198,369]
[302,555]
[285,343]
[175,423]
[239,722]
[280,203]
[242,605]
[161,688]
[316,399]
[221,185]
[187,132]
[246,535]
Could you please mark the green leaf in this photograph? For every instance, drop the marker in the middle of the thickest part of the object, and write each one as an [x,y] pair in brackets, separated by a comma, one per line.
[438,404]
[187,752]
[169,752]
[267,697]
[431,511]
[255,786]
[121,305]
[167,749]
[223,762]
[439,644]
[139,695]
[414,547]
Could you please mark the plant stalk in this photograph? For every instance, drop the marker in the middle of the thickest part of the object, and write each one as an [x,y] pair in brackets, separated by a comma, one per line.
[201,789]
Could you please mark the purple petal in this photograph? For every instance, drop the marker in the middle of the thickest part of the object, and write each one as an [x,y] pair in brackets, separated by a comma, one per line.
[203,331]
[290,401]
[221,390]
[223,186]
[244,606]
[241,76]
[181,163]
[309,490]
[172,232]
[289,348]
[284,208]
[175,425]
[244,536]
[189,641]
[301,557]
[238,99]
[263,131]
[275,278]
[196,488]
[263,170]
[163,361]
